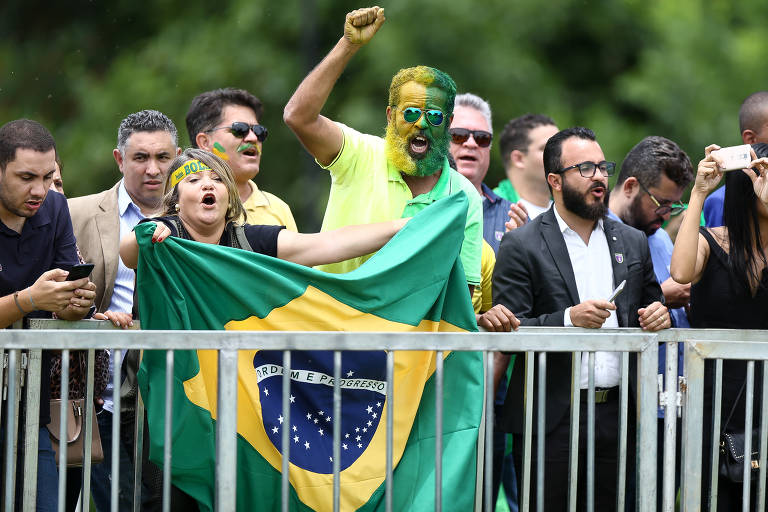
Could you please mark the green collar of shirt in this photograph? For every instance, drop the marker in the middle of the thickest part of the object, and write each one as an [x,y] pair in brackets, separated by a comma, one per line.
[507,191]
[441,189]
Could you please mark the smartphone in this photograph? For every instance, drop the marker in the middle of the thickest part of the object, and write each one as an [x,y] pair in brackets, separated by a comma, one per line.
[735,157]
[617,291]
[80,271]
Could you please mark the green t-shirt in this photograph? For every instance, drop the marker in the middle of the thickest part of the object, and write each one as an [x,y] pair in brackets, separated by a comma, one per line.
[507,191]
[367,188]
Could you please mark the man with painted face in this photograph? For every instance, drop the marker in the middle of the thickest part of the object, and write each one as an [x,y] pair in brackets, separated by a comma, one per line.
[559,270]
[226,122]
[376,179]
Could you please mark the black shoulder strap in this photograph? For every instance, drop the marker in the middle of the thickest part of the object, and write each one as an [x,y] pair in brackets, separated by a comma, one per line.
[239,239]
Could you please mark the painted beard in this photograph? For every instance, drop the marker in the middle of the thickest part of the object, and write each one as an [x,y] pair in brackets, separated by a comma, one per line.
[399,152]
[576,203]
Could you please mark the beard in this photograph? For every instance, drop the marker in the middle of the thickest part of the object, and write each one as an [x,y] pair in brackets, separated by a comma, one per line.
[634,216]
[399,153]
[576,203]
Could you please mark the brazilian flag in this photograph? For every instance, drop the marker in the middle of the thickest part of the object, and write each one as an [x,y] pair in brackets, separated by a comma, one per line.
[414,283]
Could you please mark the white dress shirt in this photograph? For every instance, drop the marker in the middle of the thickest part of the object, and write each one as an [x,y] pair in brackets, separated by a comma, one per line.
[122,294]
[593,272]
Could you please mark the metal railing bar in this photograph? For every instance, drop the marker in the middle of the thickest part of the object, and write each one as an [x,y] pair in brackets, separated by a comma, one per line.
[525,492]
[138,452]
[336,430]
[717,399]
[85,486]
[117,361]
[573,442]
[489,424]
[670,428]
[718,335]
[763,440]
[591,433]
[439,430]
[11,426]
[167,431]
[226,431]
[390,428]
[528,338]
[693,417]
[286,434]
[541,431]
[621,481]
[647,426]
[63,433]
[31,427]
[749,397]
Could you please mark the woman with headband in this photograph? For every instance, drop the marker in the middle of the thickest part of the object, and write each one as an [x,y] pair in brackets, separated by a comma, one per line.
[201,203]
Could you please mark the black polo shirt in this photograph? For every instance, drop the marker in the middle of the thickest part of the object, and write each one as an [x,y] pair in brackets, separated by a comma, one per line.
[46,242]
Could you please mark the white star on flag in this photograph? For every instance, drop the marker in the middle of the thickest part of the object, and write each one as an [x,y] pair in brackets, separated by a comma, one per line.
[350,373]
[295,439]
[293,399]
[280,419]
[306,445]
[274,430]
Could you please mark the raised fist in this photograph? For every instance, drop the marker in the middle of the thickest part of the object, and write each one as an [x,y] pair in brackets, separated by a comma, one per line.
[362,24]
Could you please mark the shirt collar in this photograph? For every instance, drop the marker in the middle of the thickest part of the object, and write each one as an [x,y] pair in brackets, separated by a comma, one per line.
[256,198]
[488,193]
[615,217]
[563,226]
[441,189]
[124,201]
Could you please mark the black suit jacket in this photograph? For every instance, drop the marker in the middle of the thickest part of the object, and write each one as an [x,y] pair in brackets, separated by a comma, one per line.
[534,279]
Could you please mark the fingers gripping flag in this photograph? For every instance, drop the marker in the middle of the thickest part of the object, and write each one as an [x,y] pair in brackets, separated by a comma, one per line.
[414,283]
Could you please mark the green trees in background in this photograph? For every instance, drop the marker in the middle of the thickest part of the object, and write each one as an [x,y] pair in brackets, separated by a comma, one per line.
[627,69]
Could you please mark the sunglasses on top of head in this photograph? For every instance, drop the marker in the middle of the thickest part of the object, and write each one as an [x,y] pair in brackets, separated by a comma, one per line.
[461,135]
[434,117]
[240,130]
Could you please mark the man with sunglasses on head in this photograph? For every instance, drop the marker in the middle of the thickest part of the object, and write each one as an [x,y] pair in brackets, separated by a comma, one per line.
[146,145]
[226,122]
[377,179]
[560,269]
[648,190]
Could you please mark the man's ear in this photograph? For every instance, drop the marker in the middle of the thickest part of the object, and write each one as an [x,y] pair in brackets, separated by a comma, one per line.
[630,187]
[203,141]
[118,158]
[749,137]
[178,151]
[555,181]
[516,158]
[389,114]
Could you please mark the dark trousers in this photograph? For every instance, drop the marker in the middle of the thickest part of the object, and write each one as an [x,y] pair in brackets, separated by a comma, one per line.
[556,457]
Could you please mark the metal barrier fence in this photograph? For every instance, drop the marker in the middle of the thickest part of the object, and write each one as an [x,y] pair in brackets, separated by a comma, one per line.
[534,343]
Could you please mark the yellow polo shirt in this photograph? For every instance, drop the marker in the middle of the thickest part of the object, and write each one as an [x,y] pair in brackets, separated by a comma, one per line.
[267,209]
[481,298]
[367,188]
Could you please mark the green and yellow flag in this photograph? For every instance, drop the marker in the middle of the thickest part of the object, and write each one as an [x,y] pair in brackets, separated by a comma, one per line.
[414,283]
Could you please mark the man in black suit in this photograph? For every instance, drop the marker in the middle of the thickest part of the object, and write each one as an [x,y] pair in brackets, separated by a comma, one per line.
[559,270]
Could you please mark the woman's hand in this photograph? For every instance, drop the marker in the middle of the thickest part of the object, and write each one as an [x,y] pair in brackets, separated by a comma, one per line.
[709,172]
[162,231]
[758,173]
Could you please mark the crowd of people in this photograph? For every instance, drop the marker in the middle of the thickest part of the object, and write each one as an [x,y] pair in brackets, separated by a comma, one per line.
[546,247]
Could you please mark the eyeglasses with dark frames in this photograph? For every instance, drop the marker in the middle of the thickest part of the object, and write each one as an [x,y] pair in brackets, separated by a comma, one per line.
[588,169]
[661,210]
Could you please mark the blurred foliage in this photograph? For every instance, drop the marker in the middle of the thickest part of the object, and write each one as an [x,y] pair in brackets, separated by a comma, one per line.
[625,68]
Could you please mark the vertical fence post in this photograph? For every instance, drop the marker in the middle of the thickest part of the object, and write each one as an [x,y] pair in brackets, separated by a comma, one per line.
[226,431]
[573,441]
[438,431]
[286,434]
[32,427]
[647,424]
[670,428]
[692,429]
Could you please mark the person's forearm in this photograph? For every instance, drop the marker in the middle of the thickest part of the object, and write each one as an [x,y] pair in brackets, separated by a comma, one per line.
[129,250]
[9,312]
[306,103]
[72,314]
[683,263]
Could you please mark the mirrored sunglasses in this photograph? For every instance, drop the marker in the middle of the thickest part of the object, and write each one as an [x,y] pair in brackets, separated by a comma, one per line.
[434,117]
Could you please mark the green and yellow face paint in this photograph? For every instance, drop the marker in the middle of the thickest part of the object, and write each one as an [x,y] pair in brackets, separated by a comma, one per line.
[219,151]
[191,167]
[421,103]
[245,146]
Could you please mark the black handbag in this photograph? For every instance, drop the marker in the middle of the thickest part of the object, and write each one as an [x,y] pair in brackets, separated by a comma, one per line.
[732,451]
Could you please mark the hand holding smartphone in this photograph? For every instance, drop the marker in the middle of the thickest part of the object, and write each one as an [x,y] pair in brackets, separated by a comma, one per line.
[80,271]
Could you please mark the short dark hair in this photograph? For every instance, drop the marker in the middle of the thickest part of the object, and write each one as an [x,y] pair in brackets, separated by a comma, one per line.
[652,156]
[24,134]
[753,113]
[515,135]
[553,150]
[145,121]
[205,110]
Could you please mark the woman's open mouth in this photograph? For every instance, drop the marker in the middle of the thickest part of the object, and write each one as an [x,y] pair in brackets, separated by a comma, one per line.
[209,200]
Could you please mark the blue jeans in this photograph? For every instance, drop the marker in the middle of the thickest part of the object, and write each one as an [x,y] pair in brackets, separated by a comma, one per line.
[47,474]
[101,481]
